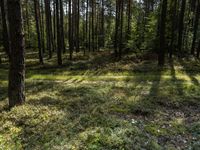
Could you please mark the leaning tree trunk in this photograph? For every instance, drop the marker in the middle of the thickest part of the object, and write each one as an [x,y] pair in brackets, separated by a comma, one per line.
[16,86]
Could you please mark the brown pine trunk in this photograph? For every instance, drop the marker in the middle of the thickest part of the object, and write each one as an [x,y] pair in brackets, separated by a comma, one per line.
[116,27]
[59,52]
[181,26]
[196,24]
[161,55]
[70,31]
[121,28]
[5,29]
[173,19]
[36,7]
[62,36]
[16,85]
[48,27]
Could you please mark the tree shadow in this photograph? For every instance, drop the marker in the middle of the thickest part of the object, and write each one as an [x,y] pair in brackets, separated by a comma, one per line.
[191,72]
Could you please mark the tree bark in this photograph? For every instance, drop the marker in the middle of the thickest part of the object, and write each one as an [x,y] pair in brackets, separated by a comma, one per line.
[5,29]
[36,6]
[59,52]
[161,55]
[181,26]
[195,29]
[16,85]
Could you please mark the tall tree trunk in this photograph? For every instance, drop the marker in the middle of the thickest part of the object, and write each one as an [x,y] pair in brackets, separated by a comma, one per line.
[181,26]
[93,46]
[86,24]
[36,7]
[54,23]
[77,26]
[173,19]
[62,36]
[121,28]
[195,29]
[42,26]
[102,24]
[16,85]
[161,55]
[70,31]
[116,27]
[198,49]
[59,52]
[48,27]
[5,29]
[129,19]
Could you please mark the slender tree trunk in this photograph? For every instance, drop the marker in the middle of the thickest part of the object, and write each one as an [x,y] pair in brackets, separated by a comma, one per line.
[16,85]
[77,26]
[161,55]
[198,49]
[42,26]
[54,23]
[70,30]
[86,24]
[62,27]
[173,18]
[121,29]
[5,29]
[93,47]
[59,52]
[102,24]
[36,6]
[181,26]
[196,24]
[116,28]
[48,27]
[129,19]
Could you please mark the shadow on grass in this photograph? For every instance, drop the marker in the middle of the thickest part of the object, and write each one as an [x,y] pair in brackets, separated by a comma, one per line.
[191,72]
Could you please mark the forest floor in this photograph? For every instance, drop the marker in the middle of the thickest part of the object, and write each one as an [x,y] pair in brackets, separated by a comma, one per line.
[99,103]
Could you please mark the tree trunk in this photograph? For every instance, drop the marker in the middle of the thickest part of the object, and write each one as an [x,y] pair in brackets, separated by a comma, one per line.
[36,6]
[198,49]
[59,52]
[62,27]
[161,55]
[121,28]
[5,29]
[116,28]
[181,26]
[173,19]
[196,24]
[16,85]
[48,27]
[70,31]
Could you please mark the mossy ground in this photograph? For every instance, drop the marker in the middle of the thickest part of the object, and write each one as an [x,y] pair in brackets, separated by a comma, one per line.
[99,103]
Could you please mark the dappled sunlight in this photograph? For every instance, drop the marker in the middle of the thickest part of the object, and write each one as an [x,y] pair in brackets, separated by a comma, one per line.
[113,108]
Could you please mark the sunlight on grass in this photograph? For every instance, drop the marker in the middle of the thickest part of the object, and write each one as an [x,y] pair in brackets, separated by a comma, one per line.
[103,109]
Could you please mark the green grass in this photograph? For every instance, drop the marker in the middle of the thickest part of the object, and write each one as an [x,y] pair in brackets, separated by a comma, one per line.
[98,103]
